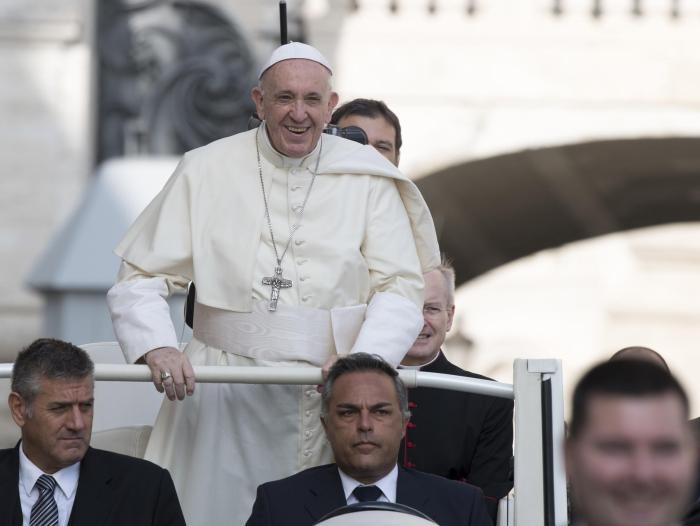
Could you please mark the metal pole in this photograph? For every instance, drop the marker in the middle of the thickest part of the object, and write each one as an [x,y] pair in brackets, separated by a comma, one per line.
[283,23]
[290,375]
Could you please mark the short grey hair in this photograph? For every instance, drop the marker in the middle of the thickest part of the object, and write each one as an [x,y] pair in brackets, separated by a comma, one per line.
[51,359]
[448,273]
[359,363]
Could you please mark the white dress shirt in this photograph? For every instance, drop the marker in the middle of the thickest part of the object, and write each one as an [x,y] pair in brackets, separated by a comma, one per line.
[387,484]
[64,494]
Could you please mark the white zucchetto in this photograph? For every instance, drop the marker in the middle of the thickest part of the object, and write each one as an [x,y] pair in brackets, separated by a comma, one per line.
[295,50]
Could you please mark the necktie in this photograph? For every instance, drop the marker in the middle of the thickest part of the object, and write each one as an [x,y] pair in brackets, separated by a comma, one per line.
[367,493]
[44,512]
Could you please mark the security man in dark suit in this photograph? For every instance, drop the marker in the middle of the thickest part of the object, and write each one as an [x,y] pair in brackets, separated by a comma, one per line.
[53,477]
[461,436]
[364,414]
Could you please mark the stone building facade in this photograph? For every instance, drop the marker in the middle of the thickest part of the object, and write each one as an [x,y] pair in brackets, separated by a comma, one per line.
[529,125]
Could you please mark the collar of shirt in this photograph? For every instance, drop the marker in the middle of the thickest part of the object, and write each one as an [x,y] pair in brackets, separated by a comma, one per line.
[419,367]
[282,161]
[387,484]
[66,478]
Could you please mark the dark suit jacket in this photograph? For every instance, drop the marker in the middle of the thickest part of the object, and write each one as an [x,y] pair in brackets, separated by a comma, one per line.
[113,490]
[693,516]
[461,436]
[304,498]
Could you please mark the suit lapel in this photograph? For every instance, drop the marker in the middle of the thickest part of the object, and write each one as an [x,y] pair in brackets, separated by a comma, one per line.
[94,499]
[410,492]
[9,493]
[325,493]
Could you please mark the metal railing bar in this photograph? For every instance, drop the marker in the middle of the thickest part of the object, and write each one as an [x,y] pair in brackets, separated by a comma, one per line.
[290,375]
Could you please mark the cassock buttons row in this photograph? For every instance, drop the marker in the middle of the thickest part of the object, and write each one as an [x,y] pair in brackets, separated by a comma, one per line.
[409,444]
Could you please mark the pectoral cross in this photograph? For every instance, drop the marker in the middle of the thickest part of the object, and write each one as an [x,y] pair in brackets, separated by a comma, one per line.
[277,282]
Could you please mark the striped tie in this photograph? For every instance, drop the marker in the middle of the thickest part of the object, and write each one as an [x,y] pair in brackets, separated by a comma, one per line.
[44,512]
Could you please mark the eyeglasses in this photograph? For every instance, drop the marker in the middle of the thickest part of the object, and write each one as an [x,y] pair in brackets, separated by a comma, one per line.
[432,311]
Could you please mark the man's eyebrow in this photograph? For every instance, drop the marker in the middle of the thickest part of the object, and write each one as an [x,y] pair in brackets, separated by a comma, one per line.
[346,405]
[385,143]
[71,402]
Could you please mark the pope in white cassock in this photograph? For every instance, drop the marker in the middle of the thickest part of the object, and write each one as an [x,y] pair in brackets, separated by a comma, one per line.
[303,246]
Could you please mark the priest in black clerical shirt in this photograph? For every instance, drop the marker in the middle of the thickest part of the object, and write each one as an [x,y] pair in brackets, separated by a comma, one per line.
[461,436]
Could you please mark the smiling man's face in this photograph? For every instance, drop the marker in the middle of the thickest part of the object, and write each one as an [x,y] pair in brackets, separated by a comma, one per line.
[57,425]
[633,462]
[295,101]
[438,313]
[364,425]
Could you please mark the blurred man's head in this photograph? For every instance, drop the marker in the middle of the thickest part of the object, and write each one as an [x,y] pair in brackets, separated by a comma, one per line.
[641,353]
[294,98]
[364,413]
[381,125]
[438,314]
[51,401]
[630,455]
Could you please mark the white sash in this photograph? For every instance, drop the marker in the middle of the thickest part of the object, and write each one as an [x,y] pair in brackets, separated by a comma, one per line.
[287,334]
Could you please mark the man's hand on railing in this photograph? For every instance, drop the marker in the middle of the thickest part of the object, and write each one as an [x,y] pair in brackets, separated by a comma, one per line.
[324,370]
[171,371]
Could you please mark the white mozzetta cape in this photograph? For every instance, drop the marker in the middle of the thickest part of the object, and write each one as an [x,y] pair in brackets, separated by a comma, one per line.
[207,223]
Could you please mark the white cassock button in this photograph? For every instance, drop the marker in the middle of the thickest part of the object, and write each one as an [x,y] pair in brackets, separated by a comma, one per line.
[299,242]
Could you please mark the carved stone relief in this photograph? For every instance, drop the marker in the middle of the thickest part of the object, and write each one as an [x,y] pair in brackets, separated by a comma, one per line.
[173,75]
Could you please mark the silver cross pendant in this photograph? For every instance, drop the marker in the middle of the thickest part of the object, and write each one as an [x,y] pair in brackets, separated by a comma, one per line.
[277,282]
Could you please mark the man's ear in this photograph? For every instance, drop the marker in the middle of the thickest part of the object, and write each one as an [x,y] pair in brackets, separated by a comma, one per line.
[450,316]
[18,408]
[332,103]
[257,95]
[568,457]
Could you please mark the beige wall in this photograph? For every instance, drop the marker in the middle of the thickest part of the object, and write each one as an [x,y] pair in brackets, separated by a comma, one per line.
[45,142]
